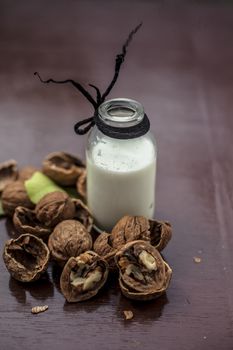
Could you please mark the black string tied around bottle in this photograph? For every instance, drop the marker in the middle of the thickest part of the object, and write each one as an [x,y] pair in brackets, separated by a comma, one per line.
[83,126]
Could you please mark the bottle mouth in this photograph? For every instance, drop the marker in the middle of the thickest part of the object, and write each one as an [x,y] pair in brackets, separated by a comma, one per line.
[122,118]
[121,112]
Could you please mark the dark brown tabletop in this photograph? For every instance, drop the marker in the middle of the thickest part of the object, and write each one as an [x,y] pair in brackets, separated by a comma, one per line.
[180,67]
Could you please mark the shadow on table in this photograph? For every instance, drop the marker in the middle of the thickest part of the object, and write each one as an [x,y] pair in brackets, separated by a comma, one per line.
[56,274]
[39,290]
[143,311]
[110,295]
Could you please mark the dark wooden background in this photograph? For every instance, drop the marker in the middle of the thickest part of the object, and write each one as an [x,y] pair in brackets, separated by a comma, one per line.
[180,66]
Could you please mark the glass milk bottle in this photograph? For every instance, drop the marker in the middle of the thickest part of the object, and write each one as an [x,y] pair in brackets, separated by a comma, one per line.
[121,163]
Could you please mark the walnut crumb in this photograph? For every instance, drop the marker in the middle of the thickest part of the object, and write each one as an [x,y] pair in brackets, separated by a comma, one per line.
[196,259]
[128,314]
[38,309]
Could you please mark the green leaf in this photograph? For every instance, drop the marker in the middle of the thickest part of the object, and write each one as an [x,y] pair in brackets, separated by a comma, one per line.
[39,185]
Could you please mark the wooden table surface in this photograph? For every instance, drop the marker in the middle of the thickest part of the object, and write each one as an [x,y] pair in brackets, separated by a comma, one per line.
[180,67]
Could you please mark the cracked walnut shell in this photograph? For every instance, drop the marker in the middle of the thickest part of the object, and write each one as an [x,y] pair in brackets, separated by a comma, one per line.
[83,214]
[130,228]
[81,185]
[69,238]
[160,233]
[26,257]
[13,196]
[63,168]
[8,173]
[103,247]
[55,207]
[83,276]
[25,221]
[144,275]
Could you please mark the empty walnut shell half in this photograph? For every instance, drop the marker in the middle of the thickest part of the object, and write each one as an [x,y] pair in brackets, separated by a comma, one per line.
[83,214]
[8,173]
[130,228]
[83,276]
[25,221]
[144,275]
[160,233]
[13,196]
[54,207]
[69,238]
[26,257]
[63,168]
[103,247]
[81,185]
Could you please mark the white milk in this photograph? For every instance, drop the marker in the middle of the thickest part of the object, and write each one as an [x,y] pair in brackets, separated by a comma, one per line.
[121,180]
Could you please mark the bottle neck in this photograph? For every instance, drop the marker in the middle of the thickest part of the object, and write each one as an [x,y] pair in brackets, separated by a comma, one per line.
[122,118]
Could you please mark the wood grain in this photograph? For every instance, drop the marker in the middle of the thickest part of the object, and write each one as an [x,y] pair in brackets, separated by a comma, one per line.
[180,67]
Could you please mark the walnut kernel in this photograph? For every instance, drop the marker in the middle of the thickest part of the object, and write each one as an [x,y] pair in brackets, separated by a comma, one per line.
[83,276]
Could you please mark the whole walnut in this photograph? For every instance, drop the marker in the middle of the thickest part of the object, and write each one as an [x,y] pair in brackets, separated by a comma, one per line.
[69,238]
[54,207]
[13,196]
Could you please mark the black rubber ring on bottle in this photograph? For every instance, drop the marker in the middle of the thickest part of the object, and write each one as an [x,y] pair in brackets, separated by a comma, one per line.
[130,132]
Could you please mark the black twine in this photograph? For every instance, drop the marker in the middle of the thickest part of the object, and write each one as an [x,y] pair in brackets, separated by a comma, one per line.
[100,98]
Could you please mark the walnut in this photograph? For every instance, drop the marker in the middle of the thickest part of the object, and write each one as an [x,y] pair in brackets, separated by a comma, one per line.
[81,185]
[160,233]
[63,168]
[83,214]
[26,257]
[130,228]
[83,276]
[27,172]
[103,247]
[8,173]
[54,207]
[144,275]
[25,221]
[69,238]
[13,196]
